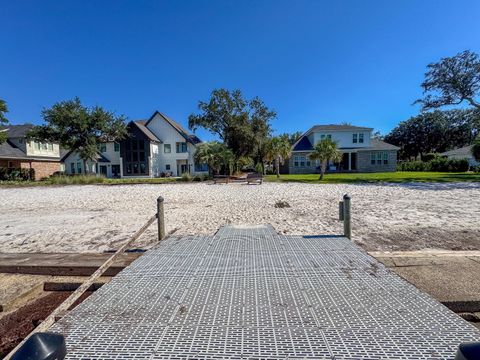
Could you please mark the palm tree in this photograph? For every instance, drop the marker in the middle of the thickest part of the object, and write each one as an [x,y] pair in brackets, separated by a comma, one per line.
[278,149]
[325,150]
[3,120]
[215,155]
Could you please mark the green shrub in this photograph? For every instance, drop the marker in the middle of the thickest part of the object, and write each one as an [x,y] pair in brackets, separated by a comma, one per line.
[76,179]
[437,164]
[206,177]
[429,157]
[185,177]
[197,178]
[259,168]
[16,174]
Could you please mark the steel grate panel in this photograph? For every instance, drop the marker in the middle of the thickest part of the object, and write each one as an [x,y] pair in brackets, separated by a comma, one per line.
[251,293]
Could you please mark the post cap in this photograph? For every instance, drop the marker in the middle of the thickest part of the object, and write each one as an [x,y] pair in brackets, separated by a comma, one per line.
[160,199]
[346,197]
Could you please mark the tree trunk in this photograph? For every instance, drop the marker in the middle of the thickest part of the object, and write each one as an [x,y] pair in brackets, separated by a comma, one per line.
[85,170]
[323,166]
[277,167]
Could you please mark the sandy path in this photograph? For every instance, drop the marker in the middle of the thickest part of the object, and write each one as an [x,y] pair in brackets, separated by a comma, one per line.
[96,218]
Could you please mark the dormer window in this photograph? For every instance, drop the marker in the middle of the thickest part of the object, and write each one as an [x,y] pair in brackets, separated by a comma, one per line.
[323,136]
[360,138]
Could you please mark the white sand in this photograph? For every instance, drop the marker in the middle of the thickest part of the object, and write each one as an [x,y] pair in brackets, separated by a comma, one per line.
[99,218]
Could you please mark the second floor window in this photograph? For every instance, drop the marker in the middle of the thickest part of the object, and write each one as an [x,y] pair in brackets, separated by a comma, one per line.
[355,138]
[167,148]
[102,148]
[181,147]
[116,147]
[50,147]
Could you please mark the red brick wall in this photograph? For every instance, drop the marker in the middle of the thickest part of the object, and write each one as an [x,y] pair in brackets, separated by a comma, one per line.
[42,169]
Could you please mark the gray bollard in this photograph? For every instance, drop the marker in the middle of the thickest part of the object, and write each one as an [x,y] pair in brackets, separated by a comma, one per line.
[347,220]
[161,219]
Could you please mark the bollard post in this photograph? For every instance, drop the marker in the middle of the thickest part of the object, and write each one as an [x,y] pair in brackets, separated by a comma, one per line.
[347,221]
[160,219]
[340,211]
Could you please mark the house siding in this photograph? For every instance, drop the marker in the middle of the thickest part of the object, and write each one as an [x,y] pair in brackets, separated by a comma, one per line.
[364,161]
[292,169]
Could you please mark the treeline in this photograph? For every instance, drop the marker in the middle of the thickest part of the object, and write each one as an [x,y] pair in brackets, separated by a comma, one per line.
[435,132]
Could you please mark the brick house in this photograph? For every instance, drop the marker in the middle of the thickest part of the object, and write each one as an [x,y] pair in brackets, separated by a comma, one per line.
[361,152]
[20,153]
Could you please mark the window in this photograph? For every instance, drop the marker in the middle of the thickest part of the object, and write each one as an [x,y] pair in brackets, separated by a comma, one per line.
[10,164]
[379,158]
[72,168]
[136,157]
[181,147]
[102,148]
[385,158]
[201,167]
[167,148]
[79,167]
[295,161]
[167,167]
[329,136]
[302,160]
[50,147]
[372,158]
[355,138]
[360,138]
[38,145]
[44,146]
[308,162]
[116,147]
[322,136]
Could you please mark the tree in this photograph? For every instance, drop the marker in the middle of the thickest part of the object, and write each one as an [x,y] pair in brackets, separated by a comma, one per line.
[476,149]
[3,120]
[292,137]
[216,155]
[325,150]
[278,149]
[79,128]
[243,125]
[452,81]
[434,132]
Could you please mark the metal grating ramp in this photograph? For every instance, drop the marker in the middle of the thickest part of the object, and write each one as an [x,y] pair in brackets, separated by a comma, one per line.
[250,293]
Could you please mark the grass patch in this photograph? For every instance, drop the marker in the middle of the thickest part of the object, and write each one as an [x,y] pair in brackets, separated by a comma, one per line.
[394,177]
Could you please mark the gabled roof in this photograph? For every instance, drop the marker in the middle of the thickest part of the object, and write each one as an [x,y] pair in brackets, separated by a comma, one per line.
[146,131]
[335,127]
[100,157]
[193,139]
[303,144]
[9,150]
[464,151]
[16,131]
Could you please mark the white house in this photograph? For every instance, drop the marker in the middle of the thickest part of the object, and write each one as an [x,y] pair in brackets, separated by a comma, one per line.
[361,152]
[462,153]
[153,148]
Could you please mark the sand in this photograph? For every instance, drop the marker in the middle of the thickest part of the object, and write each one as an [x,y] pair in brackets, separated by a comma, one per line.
[96,218]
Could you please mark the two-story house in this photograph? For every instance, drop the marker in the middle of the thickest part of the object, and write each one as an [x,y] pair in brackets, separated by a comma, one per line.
[361,152]
[21,153]
[153,148]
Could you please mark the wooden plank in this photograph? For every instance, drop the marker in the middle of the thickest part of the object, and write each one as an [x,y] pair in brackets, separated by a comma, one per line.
[50,320]
[63,264]
[68,286]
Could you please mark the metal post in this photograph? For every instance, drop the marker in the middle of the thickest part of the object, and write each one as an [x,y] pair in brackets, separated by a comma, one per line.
[161,219]
[347,224]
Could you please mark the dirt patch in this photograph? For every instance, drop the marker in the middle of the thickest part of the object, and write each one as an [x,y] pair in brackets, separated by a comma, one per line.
[15,326]
[420,238]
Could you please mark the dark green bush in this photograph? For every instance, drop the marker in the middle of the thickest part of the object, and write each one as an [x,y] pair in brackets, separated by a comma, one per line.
[16,174]
[197,178]
[429,157]
[439,164]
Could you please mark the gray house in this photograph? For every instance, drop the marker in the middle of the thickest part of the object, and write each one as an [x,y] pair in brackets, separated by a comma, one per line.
[462,153]
[361,152]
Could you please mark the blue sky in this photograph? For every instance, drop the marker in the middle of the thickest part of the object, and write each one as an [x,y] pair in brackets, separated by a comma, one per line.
[314,62]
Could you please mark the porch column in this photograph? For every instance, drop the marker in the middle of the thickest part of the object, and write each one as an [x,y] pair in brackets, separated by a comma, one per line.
[349,161]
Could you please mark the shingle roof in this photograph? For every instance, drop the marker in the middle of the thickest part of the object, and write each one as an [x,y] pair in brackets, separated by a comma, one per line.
[8,150]
[464,151]
[376,144]
[335,127]
[16,131]
[150,135]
